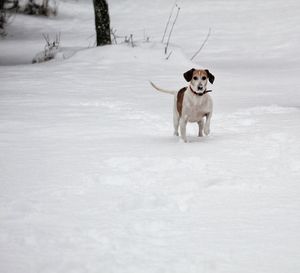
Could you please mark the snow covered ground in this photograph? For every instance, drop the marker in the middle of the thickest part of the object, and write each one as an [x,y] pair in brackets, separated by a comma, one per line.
[91,177]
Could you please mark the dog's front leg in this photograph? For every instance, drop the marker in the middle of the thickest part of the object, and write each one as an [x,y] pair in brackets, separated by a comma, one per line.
[207,123]
[182,124]
[200,124]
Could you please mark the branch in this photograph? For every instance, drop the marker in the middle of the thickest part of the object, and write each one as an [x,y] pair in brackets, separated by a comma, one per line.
[169,55]
[203,44]
[168,22]
[166,48]
[113,33]
[131,40]
[47,39]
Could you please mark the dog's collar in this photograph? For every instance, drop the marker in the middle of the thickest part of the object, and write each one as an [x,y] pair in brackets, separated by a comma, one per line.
[200,94]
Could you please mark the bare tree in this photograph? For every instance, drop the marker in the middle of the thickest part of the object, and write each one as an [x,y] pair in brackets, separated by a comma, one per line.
[102,22]
[34,7]
[7,7]
[2,15]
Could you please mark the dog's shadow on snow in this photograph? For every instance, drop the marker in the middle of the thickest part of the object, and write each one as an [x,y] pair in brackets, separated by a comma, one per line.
[191,139]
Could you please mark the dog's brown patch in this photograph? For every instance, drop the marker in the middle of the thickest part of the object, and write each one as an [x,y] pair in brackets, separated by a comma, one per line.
[200,73]
[180,96]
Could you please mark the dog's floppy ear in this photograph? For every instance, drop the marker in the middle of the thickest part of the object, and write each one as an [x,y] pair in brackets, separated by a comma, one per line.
[188,75]
[210,76]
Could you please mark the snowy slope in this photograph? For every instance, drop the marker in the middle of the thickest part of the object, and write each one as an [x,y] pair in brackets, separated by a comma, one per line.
[91,177]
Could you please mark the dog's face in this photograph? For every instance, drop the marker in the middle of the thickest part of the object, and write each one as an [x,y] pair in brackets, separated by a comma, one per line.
[198,79]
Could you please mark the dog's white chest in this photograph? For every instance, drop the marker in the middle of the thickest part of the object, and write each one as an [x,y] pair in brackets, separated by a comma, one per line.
[194,109]
[194,114]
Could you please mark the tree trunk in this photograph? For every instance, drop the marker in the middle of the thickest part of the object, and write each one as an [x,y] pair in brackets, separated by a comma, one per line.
[102,22]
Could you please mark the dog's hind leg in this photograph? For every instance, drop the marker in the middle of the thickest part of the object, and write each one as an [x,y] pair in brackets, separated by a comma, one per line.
[200,124]
[176,123]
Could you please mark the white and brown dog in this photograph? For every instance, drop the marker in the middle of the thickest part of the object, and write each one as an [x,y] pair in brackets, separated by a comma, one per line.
[192,103]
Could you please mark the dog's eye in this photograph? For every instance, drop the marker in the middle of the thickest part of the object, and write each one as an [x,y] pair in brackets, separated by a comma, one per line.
[195,78]
[203,78]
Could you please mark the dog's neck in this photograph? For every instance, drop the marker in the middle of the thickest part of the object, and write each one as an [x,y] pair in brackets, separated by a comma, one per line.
[199,94]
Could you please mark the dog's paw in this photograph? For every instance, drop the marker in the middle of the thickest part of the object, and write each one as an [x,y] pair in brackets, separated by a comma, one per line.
[200,134]
[206,130]
[183,140]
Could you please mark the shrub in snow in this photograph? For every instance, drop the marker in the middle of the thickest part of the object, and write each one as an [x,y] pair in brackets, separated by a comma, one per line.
[50,51]
[127,39]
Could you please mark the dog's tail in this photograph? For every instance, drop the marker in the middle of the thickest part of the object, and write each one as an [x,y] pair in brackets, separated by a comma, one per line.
[162,90]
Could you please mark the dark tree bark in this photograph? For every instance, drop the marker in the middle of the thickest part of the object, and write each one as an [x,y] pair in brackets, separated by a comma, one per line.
[102,22]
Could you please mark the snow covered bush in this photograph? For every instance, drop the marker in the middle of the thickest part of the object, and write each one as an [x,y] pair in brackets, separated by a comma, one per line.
[50,51]
[53,50]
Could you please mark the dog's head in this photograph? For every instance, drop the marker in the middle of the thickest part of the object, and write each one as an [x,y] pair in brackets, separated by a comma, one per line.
[198,78]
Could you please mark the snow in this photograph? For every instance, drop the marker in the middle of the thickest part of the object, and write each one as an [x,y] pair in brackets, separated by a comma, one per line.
[91,177]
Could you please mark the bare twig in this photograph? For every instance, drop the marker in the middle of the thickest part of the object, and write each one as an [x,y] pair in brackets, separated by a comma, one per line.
[91,36]
[50,50]
[47,39]
[113,34]
[203,44]
[57,40]
[168,22]
[167,58]
[131,40]
[146,38]
[167,45]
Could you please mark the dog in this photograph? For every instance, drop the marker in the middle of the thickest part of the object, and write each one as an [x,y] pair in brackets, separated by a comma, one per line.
[192,103]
